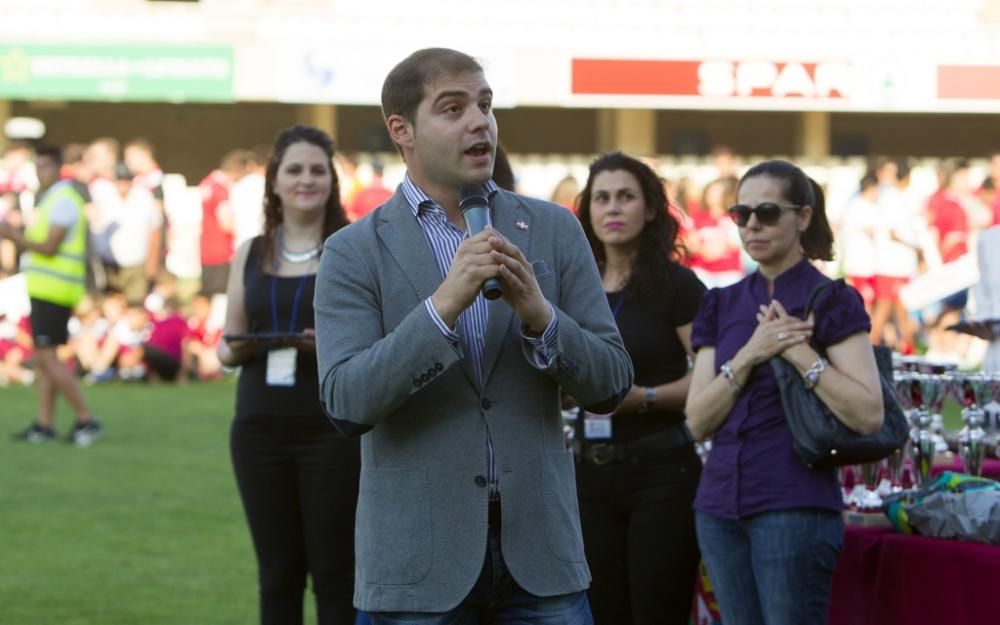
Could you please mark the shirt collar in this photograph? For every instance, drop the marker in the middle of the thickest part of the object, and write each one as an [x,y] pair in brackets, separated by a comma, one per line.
[792,276]
[417,199]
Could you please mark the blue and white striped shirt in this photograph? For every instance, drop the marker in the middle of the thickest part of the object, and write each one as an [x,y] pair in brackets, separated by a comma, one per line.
[444,238]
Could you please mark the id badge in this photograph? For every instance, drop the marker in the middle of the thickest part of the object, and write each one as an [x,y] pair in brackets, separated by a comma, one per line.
[596,426]
[281,367]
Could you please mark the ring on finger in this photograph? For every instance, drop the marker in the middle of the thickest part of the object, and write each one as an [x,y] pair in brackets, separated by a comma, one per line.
[781,336]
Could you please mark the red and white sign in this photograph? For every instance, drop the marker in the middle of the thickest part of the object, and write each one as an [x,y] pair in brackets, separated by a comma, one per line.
[745,79]
[968,82]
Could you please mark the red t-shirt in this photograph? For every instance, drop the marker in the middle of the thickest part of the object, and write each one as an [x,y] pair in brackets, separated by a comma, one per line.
[367,200]
[946,215]
[12,181]
[716,233]
[21,340]
[199,331]
[216,243]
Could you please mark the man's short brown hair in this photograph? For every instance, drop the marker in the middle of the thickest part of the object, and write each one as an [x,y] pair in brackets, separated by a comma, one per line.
[403,88]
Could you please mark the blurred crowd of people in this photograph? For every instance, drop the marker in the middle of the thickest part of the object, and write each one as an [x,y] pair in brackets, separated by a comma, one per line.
[159,340]
[156,288]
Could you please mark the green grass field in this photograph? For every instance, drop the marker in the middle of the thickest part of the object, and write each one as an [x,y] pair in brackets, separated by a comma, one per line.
[145,527]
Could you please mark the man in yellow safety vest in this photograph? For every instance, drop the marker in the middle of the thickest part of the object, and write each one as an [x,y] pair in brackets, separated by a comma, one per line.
[56,245]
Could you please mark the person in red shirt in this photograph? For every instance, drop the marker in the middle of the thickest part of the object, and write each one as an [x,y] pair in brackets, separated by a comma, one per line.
[714,241]
[163,351]
[371,196]
[15,351]
[217,221]
[946,215]
[14,179]
[950,224]
[203,339]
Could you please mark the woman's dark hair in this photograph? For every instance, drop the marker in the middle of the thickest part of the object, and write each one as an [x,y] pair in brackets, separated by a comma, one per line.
[333,216]
[658,239]
[503,173]
[799,189]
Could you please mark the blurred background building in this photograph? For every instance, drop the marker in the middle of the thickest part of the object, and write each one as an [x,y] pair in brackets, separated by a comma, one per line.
[700,89]
[817,79]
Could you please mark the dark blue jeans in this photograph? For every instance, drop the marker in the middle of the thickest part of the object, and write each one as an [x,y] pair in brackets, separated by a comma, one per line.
[496,599]
[773,568]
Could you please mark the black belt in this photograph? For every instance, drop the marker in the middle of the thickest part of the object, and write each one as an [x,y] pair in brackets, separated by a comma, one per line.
[606,453]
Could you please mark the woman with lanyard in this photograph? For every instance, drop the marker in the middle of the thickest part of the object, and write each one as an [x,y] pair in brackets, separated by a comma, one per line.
[297,477]
[637,468]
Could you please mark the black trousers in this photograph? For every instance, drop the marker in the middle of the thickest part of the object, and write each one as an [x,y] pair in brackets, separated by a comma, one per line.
[639,536]
[298,479]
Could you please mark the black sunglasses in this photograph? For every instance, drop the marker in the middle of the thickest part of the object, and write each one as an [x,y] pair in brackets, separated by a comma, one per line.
[767,213]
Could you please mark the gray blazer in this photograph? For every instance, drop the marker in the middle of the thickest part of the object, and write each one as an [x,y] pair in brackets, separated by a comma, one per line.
[386,369]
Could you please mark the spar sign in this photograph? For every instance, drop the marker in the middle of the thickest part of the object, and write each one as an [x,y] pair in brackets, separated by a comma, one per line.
[742,79]
[775,80]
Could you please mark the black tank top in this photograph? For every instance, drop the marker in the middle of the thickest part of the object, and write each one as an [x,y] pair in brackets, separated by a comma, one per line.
[253,395]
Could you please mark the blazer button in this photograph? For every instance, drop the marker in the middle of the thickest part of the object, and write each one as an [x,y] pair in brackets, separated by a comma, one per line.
[480,481]
[432,372]
[439,366]
[486,404]
[416,383]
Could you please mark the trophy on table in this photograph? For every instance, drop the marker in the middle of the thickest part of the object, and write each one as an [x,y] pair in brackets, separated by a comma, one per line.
[992,417]
[927,394]
[870,498]
[902,384]
[973,391]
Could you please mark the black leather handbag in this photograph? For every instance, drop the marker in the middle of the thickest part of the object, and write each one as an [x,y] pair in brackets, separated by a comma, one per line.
[820,439]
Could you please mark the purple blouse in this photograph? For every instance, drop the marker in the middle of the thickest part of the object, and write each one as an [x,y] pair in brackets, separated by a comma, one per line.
[752,467]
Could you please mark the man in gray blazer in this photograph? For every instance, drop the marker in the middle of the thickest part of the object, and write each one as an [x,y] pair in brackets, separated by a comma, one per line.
[467,506]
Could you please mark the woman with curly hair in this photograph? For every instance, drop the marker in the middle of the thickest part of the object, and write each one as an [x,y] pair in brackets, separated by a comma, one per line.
[637,468]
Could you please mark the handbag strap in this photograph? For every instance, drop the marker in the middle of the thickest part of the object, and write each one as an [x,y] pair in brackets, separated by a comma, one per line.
[811,302]
[815,293]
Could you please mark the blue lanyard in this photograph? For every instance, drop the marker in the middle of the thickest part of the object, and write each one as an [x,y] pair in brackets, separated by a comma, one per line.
[295,302]
[618,306]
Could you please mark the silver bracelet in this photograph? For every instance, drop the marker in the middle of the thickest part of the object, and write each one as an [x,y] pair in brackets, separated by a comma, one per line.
[727,372]
[811,376]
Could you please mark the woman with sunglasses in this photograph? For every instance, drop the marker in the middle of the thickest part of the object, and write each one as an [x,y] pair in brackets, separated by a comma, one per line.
[770,528]
[637,468]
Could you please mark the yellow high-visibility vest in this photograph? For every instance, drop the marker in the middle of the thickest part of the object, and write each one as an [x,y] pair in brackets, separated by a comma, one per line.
[58,279]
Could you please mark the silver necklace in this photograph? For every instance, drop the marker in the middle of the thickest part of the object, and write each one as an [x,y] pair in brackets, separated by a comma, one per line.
[297,258]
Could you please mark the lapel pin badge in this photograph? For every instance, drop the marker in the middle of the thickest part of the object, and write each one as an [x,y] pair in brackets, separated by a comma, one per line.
[521,225]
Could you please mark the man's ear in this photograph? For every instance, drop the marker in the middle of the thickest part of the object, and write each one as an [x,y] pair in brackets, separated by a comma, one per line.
[400,130]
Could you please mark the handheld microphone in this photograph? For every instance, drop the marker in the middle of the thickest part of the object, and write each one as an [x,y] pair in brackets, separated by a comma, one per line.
[476,213]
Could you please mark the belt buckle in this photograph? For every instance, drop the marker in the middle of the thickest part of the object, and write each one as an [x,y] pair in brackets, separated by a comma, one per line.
[601,453]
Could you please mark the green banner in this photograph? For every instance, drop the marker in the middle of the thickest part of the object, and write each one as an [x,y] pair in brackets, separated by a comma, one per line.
[117,72]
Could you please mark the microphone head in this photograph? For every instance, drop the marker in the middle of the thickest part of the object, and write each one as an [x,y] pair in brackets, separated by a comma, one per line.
[472,195]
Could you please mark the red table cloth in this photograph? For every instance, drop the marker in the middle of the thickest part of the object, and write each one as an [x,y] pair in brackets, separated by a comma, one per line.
[991,467]
[885,578]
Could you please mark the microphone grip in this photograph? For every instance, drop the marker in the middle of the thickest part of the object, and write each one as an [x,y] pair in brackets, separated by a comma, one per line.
[477,217]
[492,289]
